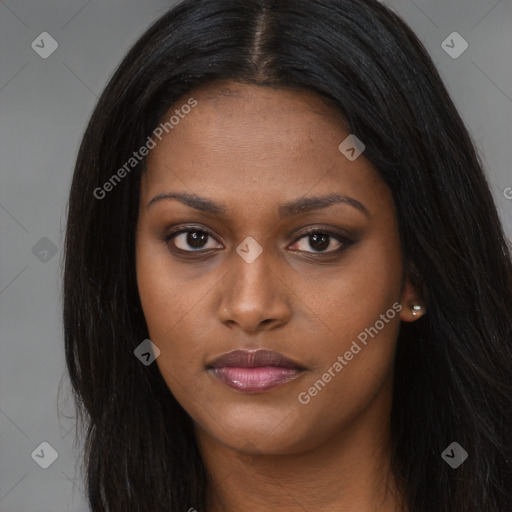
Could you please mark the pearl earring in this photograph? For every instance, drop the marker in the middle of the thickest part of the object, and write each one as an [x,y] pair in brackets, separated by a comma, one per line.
[416,309]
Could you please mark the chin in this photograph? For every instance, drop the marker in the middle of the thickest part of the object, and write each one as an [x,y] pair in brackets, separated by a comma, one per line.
[255,433]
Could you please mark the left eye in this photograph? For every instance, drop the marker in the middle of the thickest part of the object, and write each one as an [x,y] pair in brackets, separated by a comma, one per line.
[319,241]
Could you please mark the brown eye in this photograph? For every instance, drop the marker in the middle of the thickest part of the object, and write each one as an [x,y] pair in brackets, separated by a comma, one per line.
[321,241]
[191,240]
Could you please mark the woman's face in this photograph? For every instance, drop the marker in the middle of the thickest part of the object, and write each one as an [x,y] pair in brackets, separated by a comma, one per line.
[245,273]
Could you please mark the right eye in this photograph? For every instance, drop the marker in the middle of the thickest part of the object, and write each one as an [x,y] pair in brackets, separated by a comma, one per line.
[191,240]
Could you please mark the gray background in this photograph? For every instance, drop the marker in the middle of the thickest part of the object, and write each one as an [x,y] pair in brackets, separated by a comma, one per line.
[44,106]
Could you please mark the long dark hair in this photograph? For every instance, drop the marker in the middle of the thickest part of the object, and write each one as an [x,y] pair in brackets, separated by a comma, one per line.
[453,371]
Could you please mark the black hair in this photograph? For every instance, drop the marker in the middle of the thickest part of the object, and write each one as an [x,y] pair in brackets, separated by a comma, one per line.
[453,369]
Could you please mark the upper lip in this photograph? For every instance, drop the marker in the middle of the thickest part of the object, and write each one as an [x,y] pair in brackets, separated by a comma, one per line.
[243,358]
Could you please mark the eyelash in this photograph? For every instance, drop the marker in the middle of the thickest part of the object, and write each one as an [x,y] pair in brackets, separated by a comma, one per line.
[342,239]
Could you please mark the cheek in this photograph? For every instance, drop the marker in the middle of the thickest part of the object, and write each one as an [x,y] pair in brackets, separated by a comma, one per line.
[366,284]
[164,297]
[340,392]
[361,308]
[172,309]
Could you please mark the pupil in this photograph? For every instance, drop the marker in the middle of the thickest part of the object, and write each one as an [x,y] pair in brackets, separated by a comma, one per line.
[319,242]
[196,239]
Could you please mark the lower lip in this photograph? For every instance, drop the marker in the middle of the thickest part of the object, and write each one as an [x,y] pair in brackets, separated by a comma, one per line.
[255,380]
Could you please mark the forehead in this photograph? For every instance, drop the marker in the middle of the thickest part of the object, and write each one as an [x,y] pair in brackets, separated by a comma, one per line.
[264,100]
[248,141]
[234,120]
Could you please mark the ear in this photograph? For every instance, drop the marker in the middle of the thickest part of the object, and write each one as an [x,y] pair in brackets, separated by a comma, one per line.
[412,300]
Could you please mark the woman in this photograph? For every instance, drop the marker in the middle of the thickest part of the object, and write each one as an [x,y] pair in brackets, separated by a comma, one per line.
[286,285]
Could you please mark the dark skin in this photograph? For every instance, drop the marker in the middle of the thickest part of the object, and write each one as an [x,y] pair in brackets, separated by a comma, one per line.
[251,149]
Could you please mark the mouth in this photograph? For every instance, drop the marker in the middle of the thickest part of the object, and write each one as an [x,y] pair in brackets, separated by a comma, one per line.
[254,371]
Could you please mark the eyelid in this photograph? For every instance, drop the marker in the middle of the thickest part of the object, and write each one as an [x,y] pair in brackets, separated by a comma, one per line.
[326,230]
[180,228]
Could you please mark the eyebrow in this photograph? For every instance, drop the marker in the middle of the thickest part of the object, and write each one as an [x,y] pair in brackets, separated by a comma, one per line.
[289,209]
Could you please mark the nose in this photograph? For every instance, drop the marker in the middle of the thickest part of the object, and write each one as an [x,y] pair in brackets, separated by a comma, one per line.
[254,296]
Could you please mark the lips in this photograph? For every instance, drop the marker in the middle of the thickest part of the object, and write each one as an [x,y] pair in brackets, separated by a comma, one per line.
[254,371]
